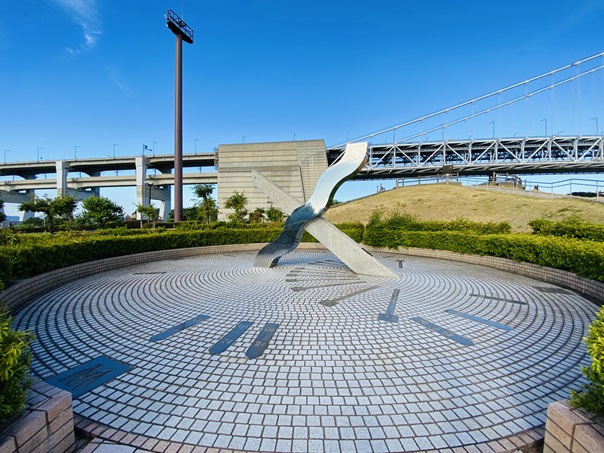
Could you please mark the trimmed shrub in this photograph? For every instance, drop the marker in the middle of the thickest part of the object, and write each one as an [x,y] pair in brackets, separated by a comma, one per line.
[407,222]
[591,397]
[583,258]
[36,254]
[15,361]
[572,227]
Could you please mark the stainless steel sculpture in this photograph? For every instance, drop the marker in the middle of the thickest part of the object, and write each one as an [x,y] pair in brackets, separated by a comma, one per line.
[308,216]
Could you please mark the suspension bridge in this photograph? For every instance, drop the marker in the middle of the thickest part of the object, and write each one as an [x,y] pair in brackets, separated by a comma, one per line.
[569,97]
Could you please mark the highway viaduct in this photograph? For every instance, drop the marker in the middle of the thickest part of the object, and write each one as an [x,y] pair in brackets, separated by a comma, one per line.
[296,166]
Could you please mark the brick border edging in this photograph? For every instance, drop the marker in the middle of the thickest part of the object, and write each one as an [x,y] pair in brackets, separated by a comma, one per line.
[45,425]
[591,289]
[17,295]
[571,430]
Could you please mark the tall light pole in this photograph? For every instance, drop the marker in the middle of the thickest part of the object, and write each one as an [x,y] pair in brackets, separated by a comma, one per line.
[114,145]
[38,153]
[493,123]
[154,142]
[75,152]
[182,32]
[196,140]
[6,151]
[597,128]
[544,120]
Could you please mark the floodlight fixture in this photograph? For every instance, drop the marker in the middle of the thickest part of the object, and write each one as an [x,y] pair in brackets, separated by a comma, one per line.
[178,26]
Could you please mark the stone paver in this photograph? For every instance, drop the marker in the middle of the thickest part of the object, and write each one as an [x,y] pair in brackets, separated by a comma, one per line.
[476,354]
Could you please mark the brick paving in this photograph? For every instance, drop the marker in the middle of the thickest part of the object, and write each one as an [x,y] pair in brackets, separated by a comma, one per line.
[468,362]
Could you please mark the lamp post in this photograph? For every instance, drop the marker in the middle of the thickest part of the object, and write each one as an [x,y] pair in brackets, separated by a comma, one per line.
[544,120]
[493,123]
[154,142]
[597,128]
[75,152]
[6,151]
[196,140]
[38,153]
[114,145]
[182,32]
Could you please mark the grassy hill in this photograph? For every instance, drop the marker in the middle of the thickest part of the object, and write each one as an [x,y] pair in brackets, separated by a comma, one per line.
[450,202]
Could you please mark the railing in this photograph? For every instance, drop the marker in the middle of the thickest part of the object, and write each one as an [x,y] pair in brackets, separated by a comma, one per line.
[585,189]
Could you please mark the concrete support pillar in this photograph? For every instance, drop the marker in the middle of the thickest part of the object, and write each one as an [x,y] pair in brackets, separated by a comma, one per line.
[27,215]
[94,191]
[142,194]
[165,205]
[62,170]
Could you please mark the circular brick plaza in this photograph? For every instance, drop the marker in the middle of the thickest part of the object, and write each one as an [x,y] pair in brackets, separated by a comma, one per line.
[210,352]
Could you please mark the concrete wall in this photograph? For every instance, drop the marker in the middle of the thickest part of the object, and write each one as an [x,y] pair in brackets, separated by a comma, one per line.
[293,166]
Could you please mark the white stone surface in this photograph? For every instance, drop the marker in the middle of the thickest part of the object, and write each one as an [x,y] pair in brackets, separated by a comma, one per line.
[334,377]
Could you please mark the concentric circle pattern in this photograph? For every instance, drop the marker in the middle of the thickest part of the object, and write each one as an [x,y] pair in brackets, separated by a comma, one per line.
[461,354]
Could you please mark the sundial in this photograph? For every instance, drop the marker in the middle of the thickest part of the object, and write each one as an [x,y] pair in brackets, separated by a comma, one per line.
[320,352]
[309,356]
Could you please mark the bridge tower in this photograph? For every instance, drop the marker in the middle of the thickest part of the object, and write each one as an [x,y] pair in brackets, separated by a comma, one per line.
[182,32]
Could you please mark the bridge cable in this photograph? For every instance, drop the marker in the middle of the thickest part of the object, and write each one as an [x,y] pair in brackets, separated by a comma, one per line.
[477,99]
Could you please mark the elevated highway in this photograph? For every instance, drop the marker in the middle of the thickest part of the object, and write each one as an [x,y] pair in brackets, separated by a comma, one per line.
[95,166]
[484,157]
[92,182]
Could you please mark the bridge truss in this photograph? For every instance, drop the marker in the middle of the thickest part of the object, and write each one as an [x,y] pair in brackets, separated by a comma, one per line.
[530,155]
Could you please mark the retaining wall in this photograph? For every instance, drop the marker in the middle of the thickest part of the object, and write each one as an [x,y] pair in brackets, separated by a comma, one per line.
[572,431]
[20,293]
[46,425]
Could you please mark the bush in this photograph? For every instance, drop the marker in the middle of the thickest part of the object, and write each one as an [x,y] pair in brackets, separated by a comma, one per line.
[572,227]
[406,222]
[591,397]
[584,258]
[15,361]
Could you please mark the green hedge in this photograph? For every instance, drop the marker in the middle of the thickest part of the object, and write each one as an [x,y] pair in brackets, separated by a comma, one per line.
[571,228]
[584,258]
[408,222]
[48,252]
[591,396]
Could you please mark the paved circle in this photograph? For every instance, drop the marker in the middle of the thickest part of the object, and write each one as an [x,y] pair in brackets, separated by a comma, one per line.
[476,354]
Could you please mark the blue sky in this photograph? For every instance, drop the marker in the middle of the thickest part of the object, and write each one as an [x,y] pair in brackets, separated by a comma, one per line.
[91,73]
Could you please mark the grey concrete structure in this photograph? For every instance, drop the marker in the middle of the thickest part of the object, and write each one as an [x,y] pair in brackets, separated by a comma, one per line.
[293,166]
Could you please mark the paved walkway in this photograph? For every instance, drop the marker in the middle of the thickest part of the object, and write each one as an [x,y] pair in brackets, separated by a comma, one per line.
[211,353]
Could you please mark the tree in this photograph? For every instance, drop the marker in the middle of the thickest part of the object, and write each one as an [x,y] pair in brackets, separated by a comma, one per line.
[2,215]
[146,210]
[207,205]
[274,214]
[60,207]
[237,202]
[257,215]
[101,210]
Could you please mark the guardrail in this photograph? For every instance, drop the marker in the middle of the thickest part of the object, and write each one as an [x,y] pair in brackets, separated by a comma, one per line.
[574,187]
